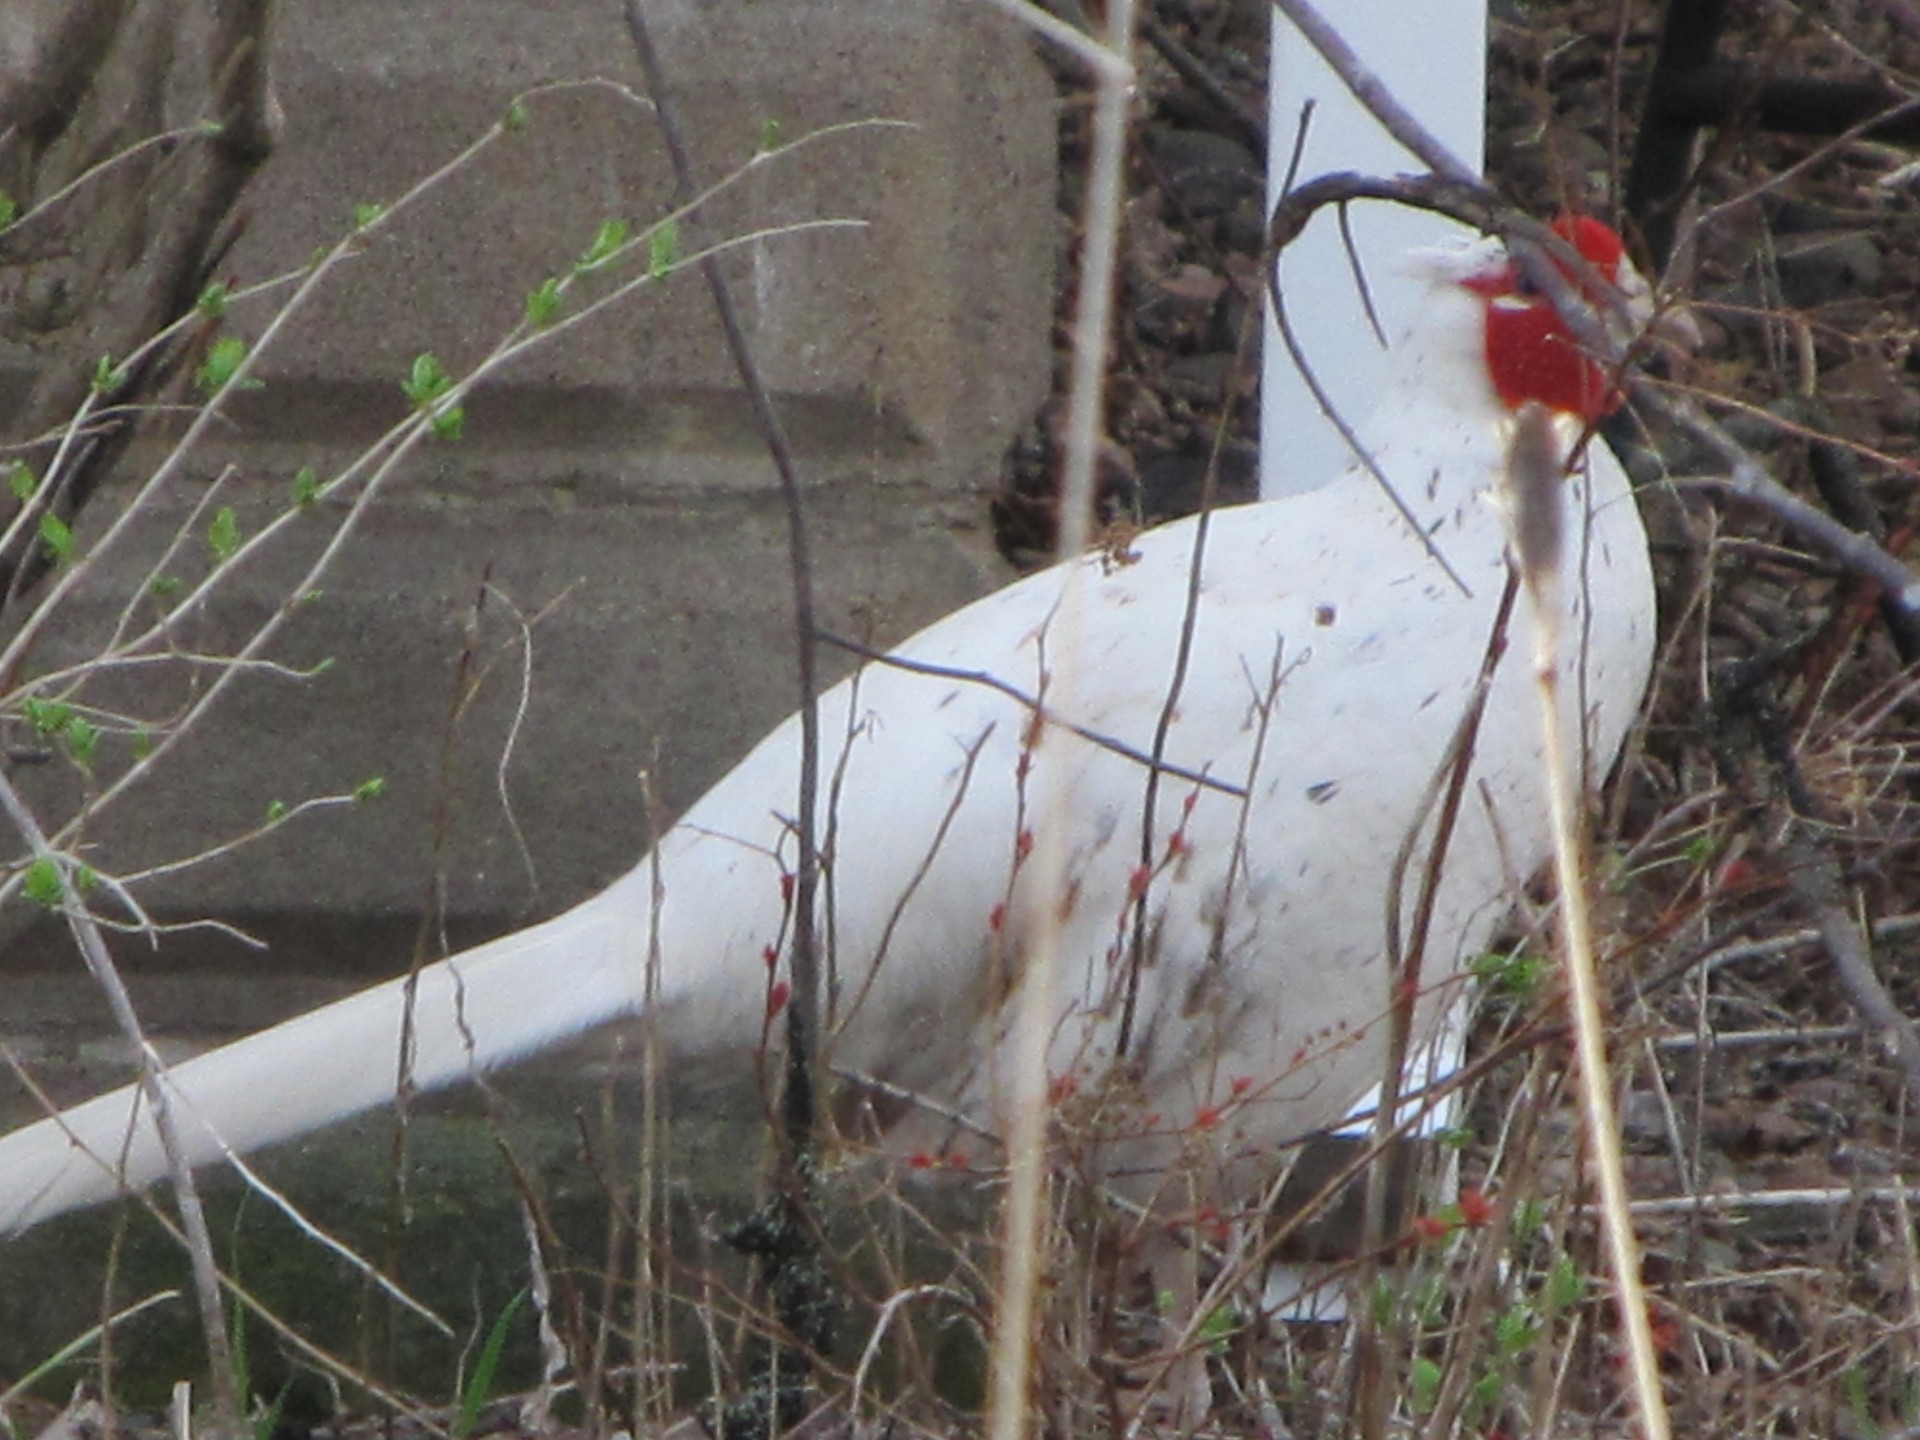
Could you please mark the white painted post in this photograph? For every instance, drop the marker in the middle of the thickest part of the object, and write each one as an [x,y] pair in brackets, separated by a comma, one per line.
[1432,55]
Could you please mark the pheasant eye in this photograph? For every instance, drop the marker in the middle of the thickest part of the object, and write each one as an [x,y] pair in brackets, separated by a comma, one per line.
[1523,283]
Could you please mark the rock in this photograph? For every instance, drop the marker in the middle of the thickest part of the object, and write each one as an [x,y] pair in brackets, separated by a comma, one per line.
[1244,227]
[1757,431]
[1173,483]
[1205,174]
[1175,310]
[1819,268]
[1201,379]
[1232,313]
[1801,216]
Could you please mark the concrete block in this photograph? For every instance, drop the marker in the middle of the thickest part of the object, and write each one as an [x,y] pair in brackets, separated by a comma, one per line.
[611,493]
[614,476]
[927,323]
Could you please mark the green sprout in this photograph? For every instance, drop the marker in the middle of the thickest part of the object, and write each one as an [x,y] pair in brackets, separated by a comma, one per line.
[221,365]
[42,883]
[663,249]
[47,717]
[427,381]
[107,376]
[83,741]
[606,244]
[543,303]
[223,533]
[57,536]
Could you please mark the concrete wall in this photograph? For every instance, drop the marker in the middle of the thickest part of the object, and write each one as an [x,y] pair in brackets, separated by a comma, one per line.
[612,482]
[612,485]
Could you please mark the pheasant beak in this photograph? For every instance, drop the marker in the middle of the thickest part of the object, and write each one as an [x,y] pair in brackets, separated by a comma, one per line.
[1457,263]
[1670,328]
[1636,296]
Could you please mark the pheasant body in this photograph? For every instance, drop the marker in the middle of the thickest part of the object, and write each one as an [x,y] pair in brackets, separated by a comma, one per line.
[1225,962]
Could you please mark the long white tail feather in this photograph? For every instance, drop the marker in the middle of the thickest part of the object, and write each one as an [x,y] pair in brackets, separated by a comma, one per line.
[483,1009]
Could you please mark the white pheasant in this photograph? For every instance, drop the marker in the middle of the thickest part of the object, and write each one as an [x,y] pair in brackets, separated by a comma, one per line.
[1333,660]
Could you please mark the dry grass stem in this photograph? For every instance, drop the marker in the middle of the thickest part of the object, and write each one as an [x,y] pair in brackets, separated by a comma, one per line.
[1535,485]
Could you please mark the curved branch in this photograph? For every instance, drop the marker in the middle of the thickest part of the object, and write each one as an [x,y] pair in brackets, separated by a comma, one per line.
[1543,254]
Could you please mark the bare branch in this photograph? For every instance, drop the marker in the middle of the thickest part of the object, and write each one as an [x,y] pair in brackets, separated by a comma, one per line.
[1379,101]
[1816,878]
[1473,204]
[1036,707]
[803,1010]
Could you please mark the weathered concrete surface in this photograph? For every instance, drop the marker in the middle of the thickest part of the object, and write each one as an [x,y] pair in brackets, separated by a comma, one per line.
[610,484]
[615,471]
[931,318]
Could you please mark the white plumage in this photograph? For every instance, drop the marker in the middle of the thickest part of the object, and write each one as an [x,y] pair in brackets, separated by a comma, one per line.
[1261,1000]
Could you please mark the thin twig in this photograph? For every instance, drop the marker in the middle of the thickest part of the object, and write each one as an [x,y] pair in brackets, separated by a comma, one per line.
[804,965]
[253,1181]
[1176,686]
[1108,67]
[1816,879]
[1276,300]
[1737,952]
[1378,100]
[1818,1196]
[93,949]
[1191,69]
[1814,872]
[884,1322]
[1819,1035]
[1747,478]
[1035,707]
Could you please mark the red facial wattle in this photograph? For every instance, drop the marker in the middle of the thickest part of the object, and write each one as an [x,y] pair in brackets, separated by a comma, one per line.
[1530,353]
